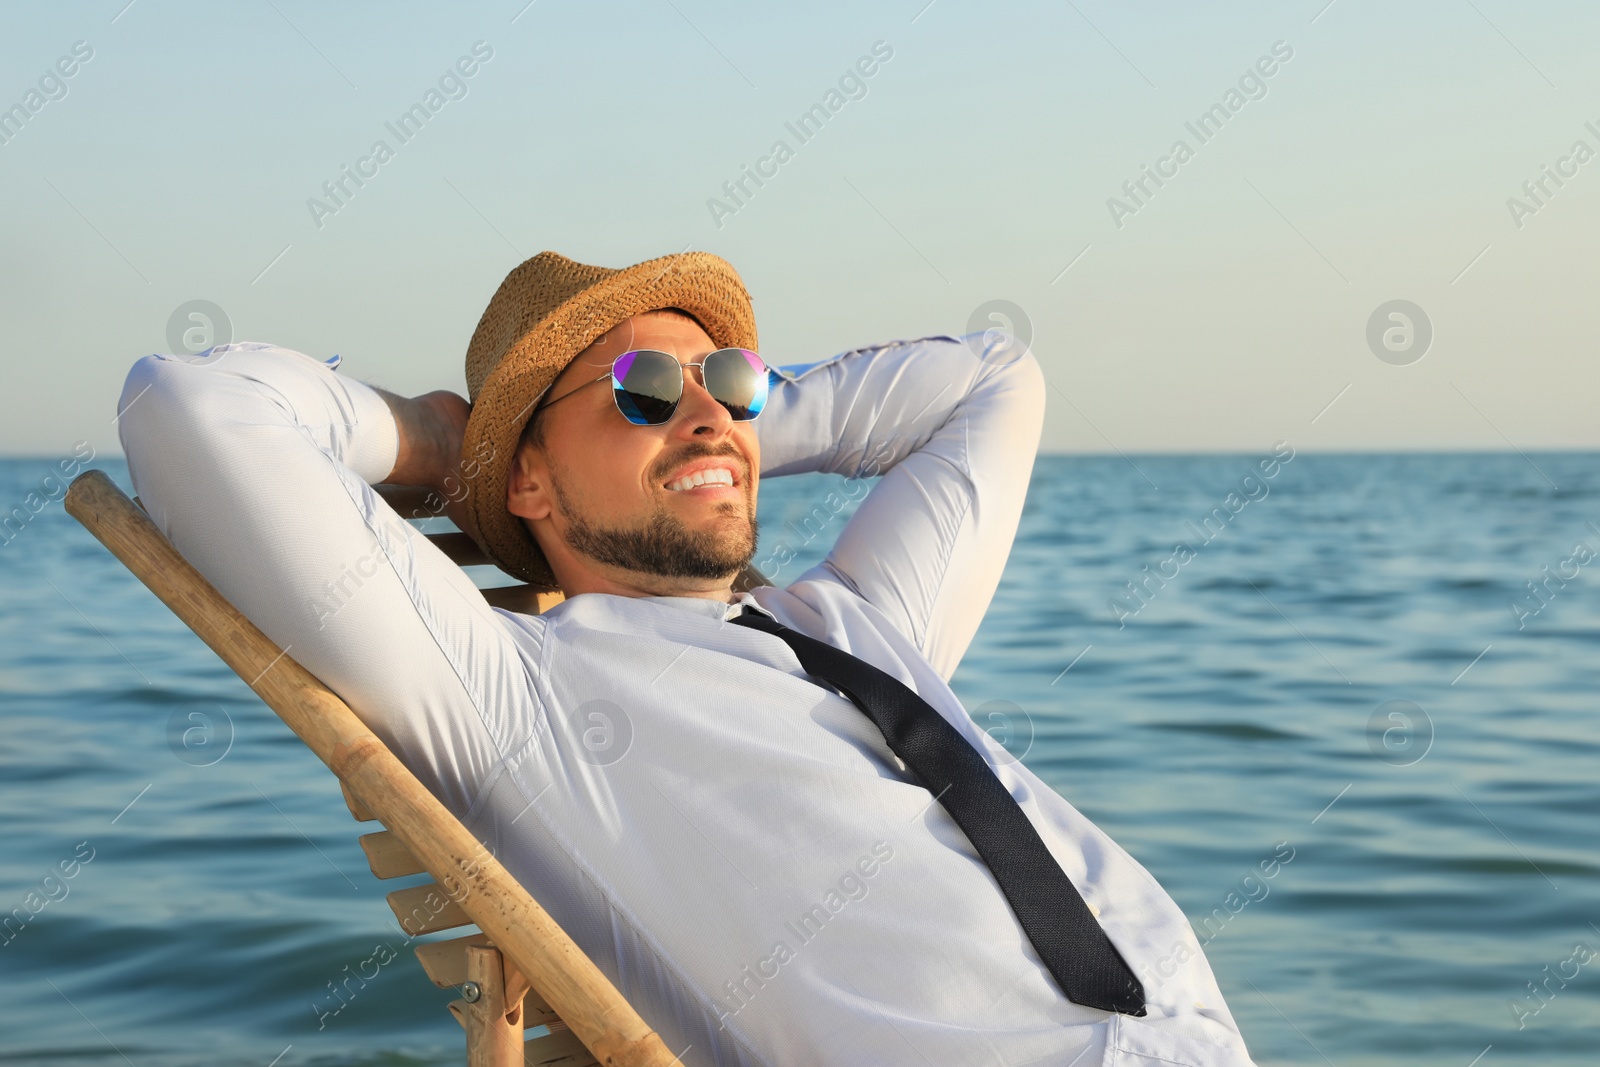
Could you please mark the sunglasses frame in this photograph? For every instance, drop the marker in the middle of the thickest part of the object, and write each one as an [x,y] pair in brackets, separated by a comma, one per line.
[617,387]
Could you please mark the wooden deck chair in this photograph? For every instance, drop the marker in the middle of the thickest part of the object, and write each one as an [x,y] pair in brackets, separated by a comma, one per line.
[520,969]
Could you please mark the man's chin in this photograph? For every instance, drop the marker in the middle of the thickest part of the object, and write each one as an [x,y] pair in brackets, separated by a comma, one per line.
[700,547]
[717,520]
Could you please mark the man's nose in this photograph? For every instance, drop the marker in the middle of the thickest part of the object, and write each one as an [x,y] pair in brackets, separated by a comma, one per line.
[699,413]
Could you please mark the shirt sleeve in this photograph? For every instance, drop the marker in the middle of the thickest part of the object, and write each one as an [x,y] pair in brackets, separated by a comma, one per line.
[254,461]
[952,425]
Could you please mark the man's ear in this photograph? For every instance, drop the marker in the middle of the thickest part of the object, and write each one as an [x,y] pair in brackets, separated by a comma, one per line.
[528,484]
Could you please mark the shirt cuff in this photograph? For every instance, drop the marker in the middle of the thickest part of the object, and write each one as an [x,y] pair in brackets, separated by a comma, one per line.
[374,443]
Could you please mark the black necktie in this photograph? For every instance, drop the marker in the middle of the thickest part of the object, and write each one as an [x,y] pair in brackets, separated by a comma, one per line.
[1066,935]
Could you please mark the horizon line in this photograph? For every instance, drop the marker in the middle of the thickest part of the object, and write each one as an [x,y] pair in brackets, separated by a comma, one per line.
[1439,450]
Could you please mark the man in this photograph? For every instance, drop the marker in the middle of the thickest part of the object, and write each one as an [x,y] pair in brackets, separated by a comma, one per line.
[763,814]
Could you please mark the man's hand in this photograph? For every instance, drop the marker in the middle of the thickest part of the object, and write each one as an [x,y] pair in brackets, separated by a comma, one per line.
[431,427]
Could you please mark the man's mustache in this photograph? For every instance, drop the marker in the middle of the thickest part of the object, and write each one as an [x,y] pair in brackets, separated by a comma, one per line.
[704,451]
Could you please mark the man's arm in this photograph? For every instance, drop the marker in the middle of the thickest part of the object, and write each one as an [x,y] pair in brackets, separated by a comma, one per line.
[429,429]
[954,435]
[255,463]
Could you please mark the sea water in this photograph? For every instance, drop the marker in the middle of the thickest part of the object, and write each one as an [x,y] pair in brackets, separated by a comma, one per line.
[1325,708]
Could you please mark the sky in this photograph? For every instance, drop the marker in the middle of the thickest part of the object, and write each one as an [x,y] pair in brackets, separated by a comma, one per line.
[975,178]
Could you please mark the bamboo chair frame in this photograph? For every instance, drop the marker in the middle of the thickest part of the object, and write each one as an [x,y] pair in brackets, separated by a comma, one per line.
[521,969]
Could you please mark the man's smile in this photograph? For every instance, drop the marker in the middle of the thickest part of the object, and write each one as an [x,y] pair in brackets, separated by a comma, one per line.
[707,476]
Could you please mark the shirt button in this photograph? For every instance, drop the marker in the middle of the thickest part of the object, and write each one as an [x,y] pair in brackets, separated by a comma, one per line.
[1094,911]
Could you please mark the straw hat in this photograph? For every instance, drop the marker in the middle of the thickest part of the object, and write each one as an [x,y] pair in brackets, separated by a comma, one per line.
[547,311]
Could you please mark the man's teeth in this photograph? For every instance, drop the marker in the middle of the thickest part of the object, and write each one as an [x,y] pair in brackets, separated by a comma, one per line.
[709,476]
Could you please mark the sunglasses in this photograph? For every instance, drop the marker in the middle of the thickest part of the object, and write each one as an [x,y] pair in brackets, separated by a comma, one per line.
[647,384]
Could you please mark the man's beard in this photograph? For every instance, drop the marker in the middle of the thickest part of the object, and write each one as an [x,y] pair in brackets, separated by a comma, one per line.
[662,546]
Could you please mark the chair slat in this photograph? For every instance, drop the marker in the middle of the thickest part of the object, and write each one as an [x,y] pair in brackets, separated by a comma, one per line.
[521,598]
[749,578]
[426,909]
[535,1012]
[560,1048]
[357,809]
[445,963]
[411,501]
[387,857]
[462,549]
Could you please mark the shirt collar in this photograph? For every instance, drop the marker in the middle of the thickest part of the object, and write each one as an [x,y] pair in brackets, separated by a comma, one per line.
[695,605]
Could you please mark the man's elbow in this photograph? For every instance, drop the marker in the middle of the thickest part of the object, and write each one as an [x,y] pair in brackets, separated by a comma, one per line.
[1027,372]
[147,388]
[160,411]
[1024,387]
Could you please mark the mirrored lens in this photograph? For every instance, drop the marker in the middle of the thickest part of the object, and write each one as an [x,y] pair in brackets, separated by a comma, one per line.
[647,386]
[737,379]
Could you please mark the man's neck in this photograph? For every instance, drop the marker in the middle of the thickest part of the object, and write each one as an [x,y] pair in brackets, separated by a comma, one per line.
[619,582]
